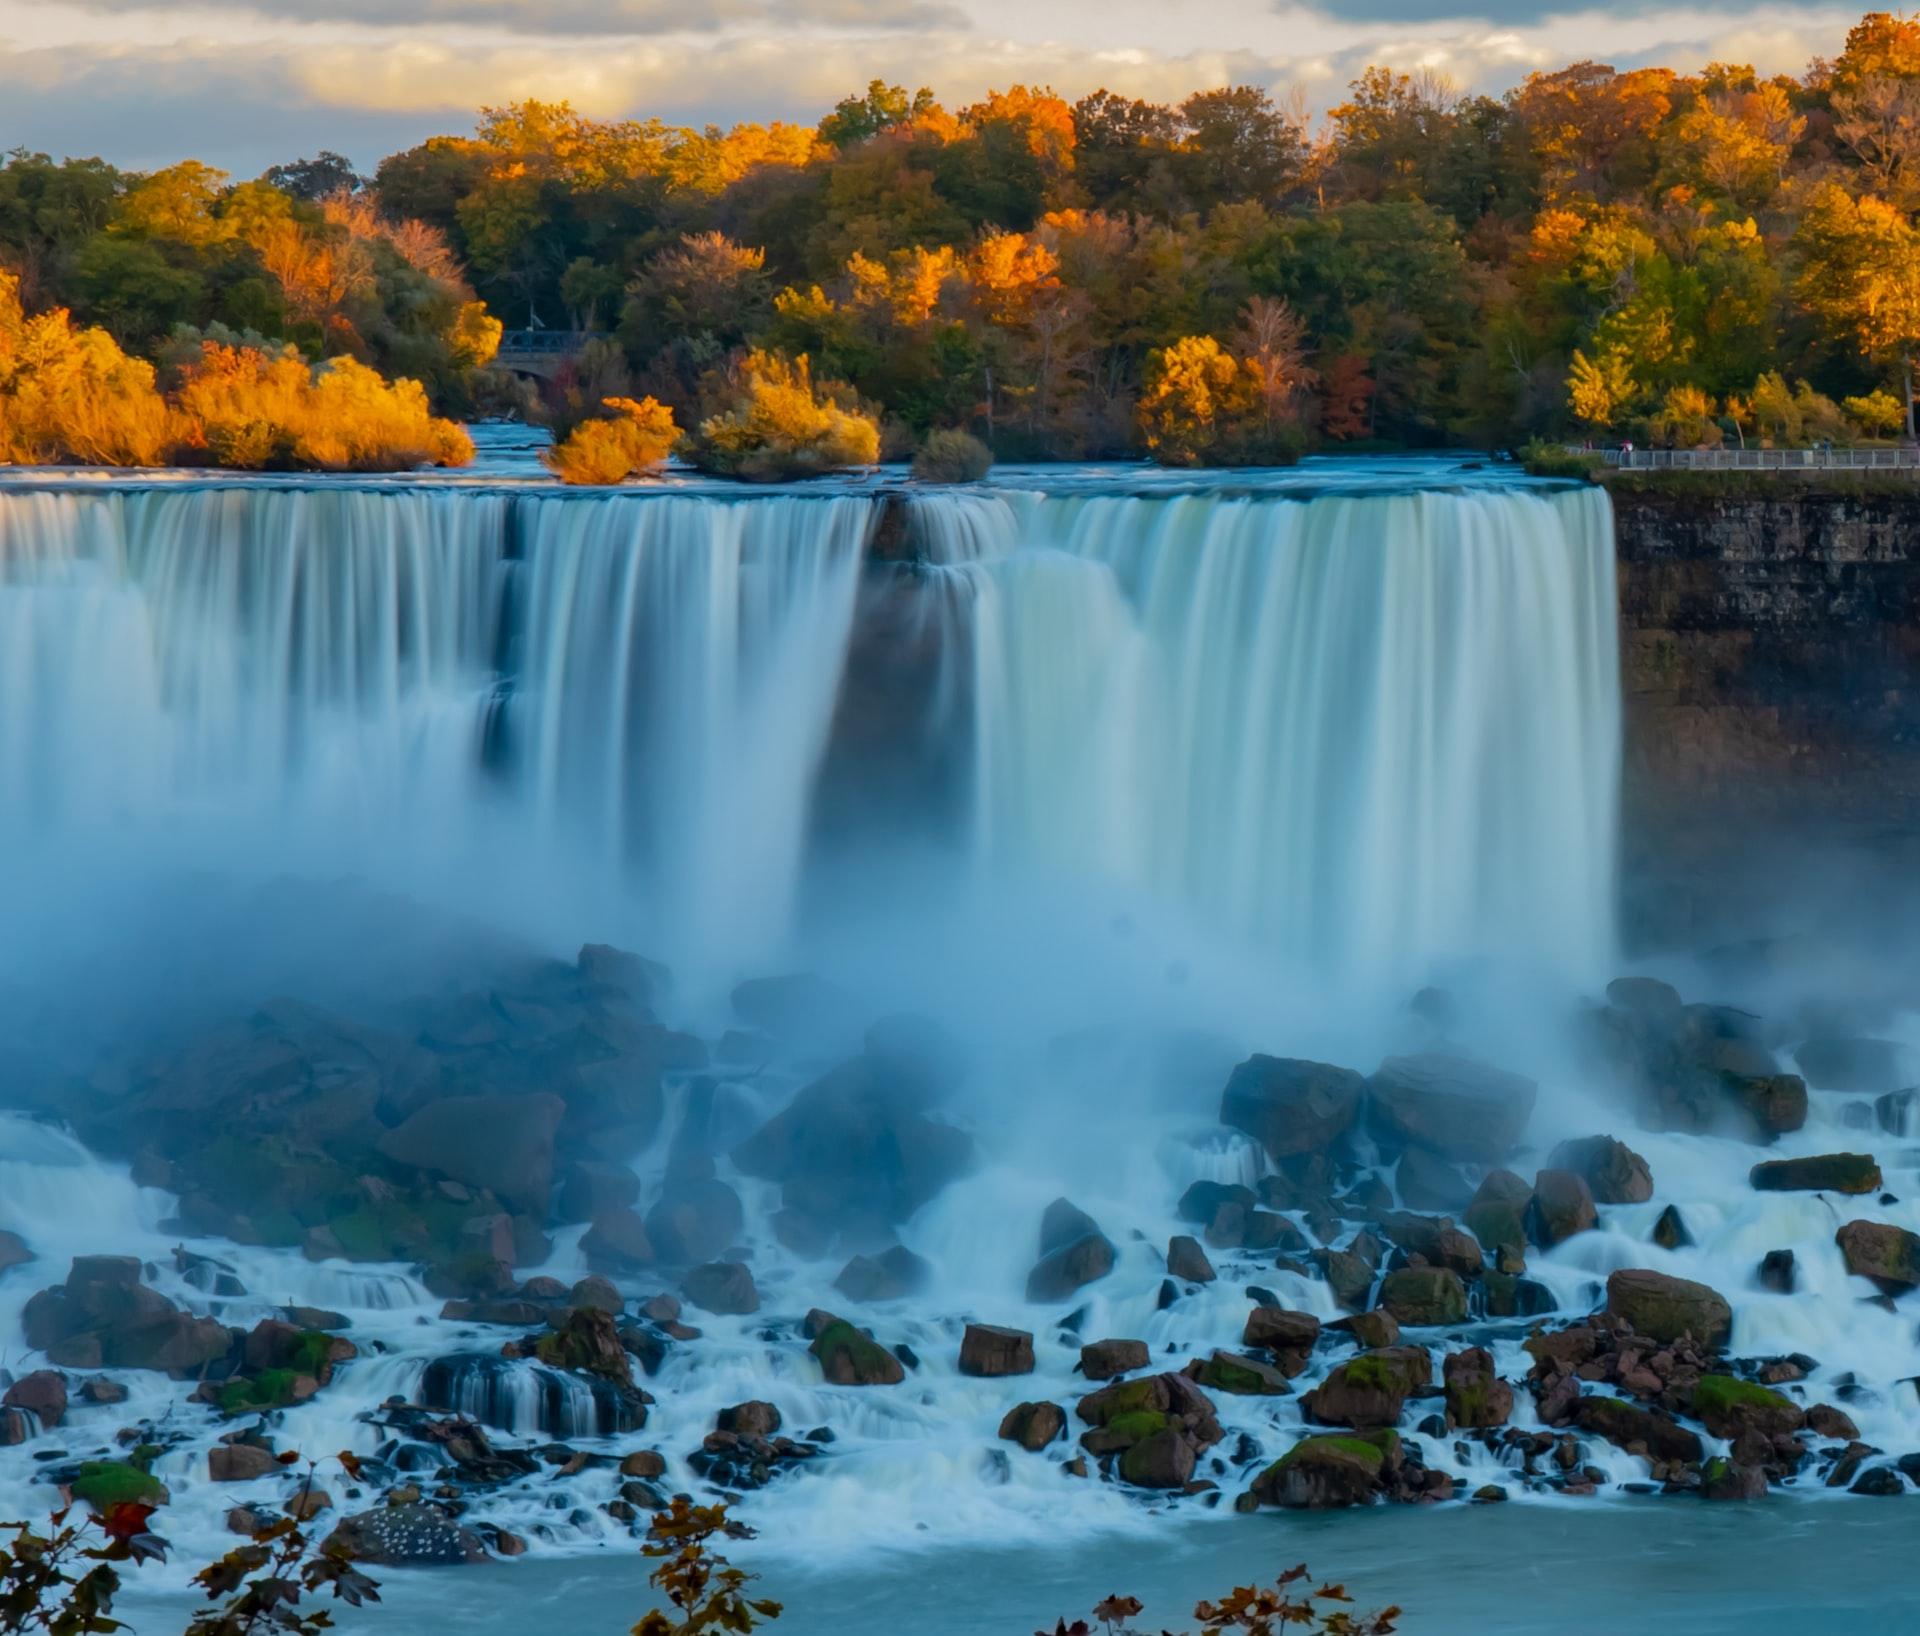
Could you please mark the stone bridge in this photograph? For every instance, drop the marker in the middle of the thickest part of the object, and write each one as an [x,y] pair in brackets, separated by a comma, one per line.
[539,353]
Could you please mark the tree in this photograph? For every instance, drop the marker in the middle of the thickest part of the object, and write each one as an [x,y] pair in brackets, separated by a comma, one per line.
[1238,145]
[779,424]
[883,108]
[630,437]
[1860,276]
[1599,389]
[320,177]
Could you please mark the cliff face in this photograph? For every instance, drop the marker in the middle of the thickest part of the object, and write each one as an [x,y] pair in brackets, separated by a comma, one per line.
[1770,656]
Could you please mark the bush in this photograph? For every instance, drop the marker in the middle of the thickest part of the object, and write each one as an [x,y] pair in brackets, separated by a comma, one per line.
[952,456]
[71,395]
[781,425]
[633,437]
[1202,406]
[1253,1610]
[1540,458]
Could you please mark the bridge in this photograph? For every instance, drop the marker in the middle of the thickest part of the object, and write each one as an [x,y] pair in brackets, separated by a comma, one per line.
[540,353]
[1904,456]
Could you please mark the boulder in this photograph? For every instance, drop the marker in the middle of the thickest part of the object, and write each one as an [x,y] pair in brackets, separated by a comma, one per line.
[618,1241]
[1777,1272]
[104,1317]
[1823,1173]
[588,1341]
[1727,1407]
[695,1219]
[1722,1479]
[1435,1240]
[590,1187]
[1497,1213]
[240,1462]
[1561,1206]
[756,1418]
[1034,1425]
[798,1005]
[1425,1296]
[1458,1109]
[890,1276]
[404,1536]
[724,1287]
[1613,1172]
[1636,1430]
[1289,1106]
[1349,1277]
[13,1250]
[1186,1259]
[1824,1420]
[989,1350]
[1165,1459]
[850,1357]
[918,1054]
[504,1144]
[1157,1424]
[1073,1252]
[1645,997]
[1371,1389]
[1894,1113]
[1373,1330]
[1476,1395]
[1241,1376]
[1202,1201]
[1289,1336]
[1102,1360]
[1670,1231]
[1890,1256]
[1425,1182]
[1326,1473]
[1665,1309]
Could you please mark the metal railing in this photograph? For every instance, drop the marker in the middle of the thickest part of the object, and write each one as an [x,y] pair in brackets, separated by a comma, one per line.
[548,342]
[1903,456]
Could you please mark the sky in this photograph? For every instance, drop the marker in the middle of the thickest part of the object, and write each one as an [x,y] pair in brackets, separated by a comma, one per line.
[249,83]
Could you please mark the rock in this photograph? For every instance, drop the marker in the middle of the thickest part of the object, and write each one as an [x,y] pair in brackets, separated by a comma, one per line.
[1242,1376]
[103,1316]
[1890,1256]
[1511,1297]
[402,1536]
[753,1419]
[1824,1420]
[590,1188]
[1561,1206]
[1427,1183]
[239,1463]
[13,1250]
[1629,1428]
[645,1464]
[1776,1272]
[1371,1389]
[1185,1259]
[1450,1106]
[307,1503]
[1289,1336]
[1645,997]
[1497,1213]
[591,1291]
[1034,1425]
[1824,1173]
[43,1394]
[1326,1473]
[1727,1407]
[724,1287]
[618,1240]
[1202,1201]
[504,1144]
[1425,1296]
[890,1276]
[1894,1112]
[1863,1067]
[1164,1460]
[1157,1424]
[103,1484]
[1664,1308]
[1722,1479]
[1289,1106]
[1373,1330]
[586,1340]
[987,1349]
[1073,1252]
[695,1219]
[1349,1276]
[1102,1360]
[1879,1482]
[98,1389]
[1476,1395]
[1670,1231]
[1613,1172]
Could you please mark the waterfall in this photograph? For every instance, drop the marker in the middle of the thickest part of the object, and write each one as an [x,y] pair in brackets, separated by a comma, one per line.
[1366,733]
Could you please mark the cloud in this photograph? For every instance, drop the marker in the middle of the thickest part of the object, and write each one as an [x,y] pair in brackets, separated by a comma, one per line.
[589,17]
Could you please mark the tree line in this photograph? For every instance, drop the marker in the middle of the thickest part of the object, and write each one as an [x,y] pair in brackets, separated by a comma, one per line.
[1675,258]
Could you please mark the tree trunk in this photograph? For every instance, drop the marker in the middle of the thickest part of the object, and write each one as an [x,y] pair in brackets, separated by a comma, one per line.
[1906,375]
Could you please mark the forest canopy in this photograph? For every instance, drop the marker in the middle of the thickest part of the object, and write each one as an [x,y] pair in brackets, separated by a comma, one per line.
[1696,258]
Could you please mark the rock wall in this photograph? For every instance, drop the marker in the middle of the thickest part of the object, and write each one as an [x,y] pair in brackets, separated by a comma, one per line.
[1770,654]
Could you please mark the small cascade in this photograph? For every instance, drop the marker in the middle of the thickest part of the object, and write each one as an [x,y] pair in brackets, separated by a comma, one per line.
[524,1398]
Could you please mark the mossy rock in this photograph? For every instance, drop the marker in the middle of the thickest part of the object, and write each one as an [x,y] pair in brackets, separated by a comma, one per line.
[254,1394]
[104,1484]
[1728,1407]
[1323,1473]
[849,1357]
[1137,1425]
[1429,1297]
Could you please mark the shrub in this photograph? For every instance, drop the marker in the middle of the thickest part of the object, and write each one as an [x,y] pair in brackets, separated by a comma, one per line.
[1202,406]
[701,1585]
[1685,419]
[71,395]
[1540,458]
[1878,414]
[1255,1610]
[781,425]
[633,437]
[952,456]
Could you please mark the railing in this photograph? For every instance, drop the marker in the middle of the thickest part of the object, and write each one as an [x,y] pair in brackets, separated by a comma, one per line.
[1905,455]
[548,342]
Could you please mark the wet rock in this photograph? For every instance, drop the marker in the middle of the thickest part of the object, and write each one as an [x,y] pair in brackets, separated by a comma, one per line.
[1327,1473]
[1824,1173]
[1034,1425]
[1241,1376]
[695,1219]
[1202,1201]
[1722,1479]
[1371,1389]
[1879,1482]
[1434,1240]
[1645,997]
[1890,1256]
[1636,1430]
[1425,1296]
[589,1188]
[1665,1309]
[1185,1259]
[403,1536]
[1073,1252]
[240,1463]
[723,1287]
[1613,1172]
[1824,1420]
[1670,1231]
[98,1389]
[1727,1407]
[890,1276]
[1428,1183]
[1348,1276]
[1864,1067]
[1102,1360]
[618,1242]
[307,1503]
[1507,1296]
[988,1349]
[13,1250]
[1561,1206]
[1497,1213]
[504,1144]
[1894,1112]
[1289,1336]
[646,1464]
[1476,1395]
[1777,1272]
[1158,1425]
[1289,1106]
[1166,1459]
[104,1317]
[1373,1330]
[586,1340]
[752,1419]
[1458,1109]
[42,1394]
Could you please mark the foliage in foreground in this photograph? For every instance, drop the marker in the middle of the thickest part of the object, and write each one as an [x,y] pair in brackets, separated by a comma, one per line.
[69,394]
[782,424]
[706,1591]
[952,456]
[1253,1610]
[632,437]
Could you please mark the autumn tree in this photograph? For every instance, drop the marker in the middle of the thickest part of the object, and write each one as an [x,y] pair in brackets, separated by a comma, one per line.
[1860,276]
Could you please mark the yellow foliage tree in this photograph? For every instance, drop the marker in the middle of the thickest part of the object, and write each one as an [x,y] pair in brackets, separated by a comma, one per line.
[71,395]
[1599,389]
[1685,419]
[1860,274]
[781,425]
[1878,414]
[631,437]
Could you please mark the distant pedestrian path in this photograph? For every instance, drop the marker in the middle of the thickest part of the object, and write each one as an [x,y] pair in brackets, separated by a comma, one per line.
[1904,455]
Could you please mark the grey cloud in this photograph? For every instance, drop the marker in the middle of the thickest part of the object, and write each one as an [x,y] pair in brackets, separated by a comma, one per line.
[586,17]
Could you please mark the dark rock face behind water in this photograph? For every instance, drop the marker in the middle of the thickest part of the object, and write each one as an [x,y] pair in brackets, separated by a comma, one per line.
[1769,647]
